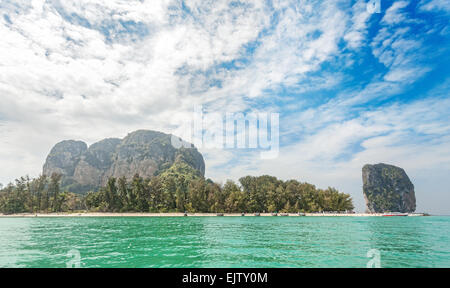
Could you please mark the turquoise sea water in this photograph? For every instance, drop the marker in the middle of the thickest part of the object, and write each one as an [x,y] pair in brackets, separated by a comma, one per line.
[225,241]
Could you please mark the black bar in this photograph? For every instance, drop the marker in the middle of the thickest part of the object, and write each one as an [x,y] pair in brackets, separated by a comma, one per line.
[270,277]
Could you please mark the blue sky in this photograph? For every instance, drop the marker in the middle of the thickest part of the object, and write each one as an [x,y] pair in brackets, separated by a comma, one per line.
[351,86]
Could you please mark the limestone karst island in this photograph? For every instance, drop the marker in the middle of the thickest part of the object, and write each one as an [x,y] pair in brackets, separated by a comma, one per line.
[143,174]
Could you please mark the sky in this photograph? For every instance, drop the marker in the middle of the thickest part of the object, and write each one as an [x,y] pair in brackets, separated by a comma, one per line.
[351,85]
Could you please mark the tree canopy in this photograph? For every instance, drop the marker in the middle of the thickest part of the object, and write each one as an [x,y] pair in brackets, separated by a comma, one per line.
[176,190]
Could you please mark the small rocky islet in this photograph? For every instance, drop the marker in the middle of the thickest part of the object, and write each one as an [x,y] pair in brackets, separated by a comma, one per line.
[387,188]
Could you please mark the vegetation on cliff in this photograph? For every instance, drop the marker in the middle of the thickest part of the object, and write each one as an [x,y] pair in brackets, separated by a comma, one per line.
[142,152]
[387,188]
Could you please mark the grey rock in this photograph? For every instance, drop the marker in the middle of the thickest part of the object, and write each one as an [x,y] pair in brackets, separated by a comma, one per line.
[387,188]
[64,157]
[142,152]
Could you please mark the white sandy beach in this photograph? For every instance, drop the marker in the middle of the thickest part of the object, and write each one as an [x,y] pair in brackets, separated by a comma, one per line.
[99,214]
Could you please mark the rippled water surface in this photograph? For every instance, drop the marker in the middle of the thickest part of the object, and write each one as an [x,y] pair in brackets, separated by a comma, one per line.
[225,241]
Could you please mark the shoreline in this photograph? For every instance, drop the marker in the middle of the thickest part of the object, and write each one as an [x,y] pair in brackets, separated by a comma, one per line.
[108,214]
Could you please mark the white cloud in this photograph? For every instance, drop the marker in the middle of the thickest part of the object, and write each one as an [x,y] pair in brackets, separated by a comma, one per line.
[398,48]
[394,14]
[431,5]
[357,33]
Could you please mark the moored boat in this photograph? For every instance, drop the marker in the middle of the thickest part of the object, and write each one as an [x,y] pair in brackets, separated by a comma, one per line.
[390,214]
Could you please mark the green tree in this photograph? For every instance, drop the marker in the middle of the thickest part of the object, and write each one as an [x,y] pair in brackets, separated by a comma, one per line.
[123,203]
[156,194]
[235,198]
[111,195]
[39,186]
[197,196]
[140,191]
[54,190]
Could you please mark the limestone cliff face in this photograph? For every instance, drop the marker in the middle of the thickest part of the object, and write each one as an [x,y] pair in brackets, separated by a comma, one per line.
[143,152]
[387,188]
[64,157]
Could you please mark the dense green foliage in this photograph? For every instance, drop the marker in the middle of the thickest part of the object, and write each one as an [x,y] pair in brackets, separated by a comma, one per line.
[38,195]
[178,193]
[175,191]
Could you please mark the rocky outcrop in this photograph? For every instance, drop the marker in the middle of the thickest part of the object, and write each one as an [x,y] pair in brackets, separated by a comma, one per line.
[387,188]
[143,152]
